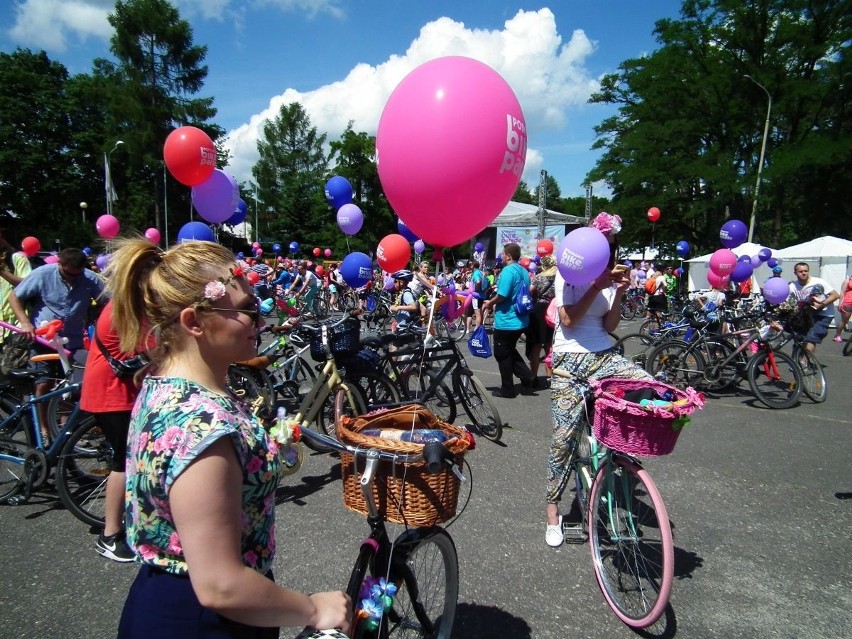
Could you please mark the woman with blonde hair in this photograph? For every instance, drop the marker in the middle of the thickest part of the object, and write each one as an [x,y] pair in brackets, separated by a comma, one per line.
[539,333]
[201,469]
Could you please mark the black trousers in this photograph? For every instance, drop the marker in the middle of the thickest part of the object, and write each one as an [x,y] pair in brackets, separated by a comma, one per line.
[509,359]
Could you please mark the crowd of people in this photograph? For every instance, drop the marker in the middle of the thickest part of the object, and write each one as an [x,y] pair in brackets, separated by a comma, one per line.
[190,495]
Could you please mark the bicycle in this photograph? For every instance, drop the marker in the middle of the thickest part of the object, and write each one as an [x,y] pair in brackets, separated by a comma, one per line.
[622,513]
[80,454]
[417,572]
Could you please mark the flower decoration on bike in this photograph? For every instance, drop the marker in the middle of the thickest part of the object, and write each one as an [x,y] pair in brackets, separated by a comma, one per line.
[376,598]
[607,224]
[215,290]
[286,433]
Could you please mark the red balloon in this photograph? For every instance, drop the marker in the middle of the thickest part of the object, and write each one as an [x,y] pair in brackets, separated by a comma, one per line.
[319,270]
[393,252]
[544,247]
[30,245]
[190,155]
[252,277]
[653,214]
[316,252]
[525,262]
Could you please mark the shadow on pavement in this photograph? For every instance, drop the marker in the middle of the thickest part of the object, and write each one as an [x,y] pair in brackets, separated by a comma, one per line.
[474,621]
[295,494]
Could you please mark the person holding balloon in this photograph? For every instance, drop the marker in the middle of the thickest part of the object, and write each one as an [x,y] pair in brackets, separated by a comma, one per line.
[508,324]
[14,267]
[583,350]
[202,471]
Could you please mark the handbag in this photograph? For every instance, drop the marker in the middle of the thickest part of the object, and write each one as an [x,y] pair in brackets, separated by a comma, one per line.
[478,343]
[122,367]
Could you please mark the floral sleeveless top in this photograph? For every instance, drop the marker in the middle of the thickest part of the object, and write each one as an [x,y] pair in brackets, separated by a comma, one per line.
[175,420]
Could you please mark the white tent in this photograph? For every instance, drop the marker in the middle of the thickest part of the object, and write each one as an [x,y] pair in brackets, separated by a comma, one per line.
[828,257]
[699,267]
[519,214]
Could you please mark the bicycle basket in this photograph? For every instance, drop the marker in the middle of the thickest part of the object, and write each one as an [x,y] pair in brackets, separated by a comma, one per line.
[343,339]
[404,494]
[646,431]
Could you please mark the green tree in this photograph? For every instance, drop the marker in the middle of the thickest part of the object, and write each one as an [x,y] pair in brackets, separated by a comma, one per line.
[524,195]
[689,128]
[354,155]
[150,91]
[290,177]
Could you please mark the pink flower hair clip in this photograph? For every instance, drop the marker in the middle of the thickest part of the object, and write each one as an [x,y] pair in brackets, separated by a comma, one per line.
[607,224]
[215,289]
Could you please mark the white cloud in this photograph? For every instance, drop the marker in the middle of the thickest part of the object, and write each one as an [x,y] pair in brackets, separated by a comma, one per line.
[547,76]
[46,23]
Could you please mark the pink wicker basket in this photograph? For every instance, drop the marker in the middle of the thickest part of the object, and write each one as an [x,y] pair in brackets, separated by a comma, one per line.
[646,431]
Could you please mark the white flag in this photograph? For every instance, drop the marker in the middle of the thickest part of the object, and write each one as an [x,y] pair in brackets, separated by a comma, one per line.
[111,195]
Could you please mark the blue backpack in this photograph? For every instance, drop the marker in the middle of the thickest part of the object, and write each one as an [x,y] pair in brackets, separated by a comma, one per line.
[523,300]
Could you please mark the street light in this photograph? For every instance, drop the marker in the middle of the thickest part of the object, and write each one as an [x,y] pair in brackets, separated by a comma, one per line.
[760,161]
[83,207]
[108,187]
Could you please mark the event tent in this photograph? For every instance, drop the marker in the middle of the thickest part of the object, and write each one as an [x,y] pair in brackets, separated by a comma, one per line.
[520,214]
[829,258]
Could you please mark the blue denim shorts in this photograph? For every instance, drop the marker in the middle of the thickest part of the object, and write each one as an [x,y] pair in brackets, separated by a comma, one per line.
[819,330]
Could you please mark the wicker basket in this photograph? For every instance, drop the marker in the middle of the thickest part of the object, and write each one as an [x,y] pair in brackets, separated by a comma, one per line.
[404,494]
[646,431]
[343,339]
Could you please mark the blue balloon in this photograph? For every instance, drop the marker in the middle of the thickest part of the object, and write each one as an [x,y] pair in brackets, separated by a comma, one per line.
[742,271]
[764,254]
[733,233]
[195,231]
[683,248]
[338,191]
[405,231]
[294,246]
[276,248]
[744,258]
[241,255]
[356,269]
[772,262]
[240,213]
[87,251]
[478,247]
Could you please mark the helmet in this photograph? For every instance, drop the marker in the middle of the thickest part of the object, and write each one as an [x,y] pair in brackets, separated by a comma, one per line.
[777,270]
[405,275]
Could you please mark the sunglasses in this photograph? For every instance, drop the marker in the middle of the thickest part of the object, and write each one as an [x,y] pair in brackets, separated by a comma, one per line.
[252,313]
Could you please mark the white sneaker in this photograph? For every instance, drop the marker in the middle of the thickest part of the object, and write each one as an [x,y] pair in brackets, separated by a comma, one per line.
[554,535]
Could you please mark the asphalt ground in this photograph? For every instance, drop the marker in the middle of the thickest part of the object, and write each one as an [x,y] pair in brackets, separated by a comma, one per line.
[760,500]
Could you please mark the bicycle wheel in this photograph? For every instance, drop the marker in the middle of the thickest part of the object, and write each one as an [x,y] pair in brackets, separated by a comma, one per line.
[59,408]
[716,350]
[630,537]
[676,364]
[814,383]
[424,565]
[479,407]
[12,473]
[376,388]
[774,379]
[331,412]
[441,403]
[650,329]
[253,387]
[635,348]
[628,311]
[320,307]
[82,471]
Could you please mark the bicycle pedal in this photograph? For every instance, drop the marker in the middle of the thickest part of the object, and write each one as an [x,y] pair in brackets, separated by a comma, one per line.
[574,533]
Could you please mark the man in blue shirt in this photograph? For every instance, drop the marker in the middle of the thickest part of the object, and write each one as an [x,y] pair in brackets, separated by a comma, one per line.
[508,324]
[64,291]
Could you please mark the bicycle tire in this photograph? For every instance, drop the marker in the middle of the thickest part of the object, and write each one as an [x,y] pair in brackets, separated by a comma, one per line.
[479,407]
[19,430]
[776,391]
[649,329]
[628,311]
[441,403]
[630,538]
[82,471]
[424,561]
[718,349]
[12,473]
[252,386]
[330,413]
[814,383]
[635,348]
[59,408]
[676,363]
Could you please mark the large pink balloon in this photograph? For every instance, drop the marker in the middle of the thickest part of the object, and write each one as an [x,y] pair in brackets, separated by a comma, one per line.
[153,235]
[722,262]
[216,198]
[717,281]
[107,226]
[451,143]
[582,255]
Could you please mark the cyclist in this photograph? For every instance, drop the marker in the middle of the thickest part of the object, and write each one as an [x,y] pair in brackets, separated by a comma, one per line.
[309,285]
[477,278]
[820,296]
[582,348]
[406,306]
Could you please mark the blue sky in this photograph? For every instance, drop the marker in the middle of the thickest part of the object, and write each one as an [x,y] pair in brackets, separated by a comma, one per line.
[342,58]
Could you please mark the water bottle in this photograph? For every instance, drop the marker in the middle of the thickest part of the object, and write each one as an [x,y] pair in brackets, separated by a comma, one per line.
[416,436]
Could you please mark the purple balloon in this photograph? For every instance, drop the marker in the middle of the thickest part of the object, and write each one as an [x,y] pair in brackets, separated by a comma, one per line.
[733,234]
[764,254]
[533,267]
[536,258]
[582,255]
[744,258]
[775,290]
[102,261]
[419,247]
[772,262]
[350,219]
[755,262]
[216,198]
[478,248]
[742,271]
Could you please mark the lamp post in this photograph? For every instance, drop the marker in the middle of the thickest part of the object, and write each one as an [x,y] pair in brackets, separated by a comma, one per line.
[108,188]
[83,207]
[760,161]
